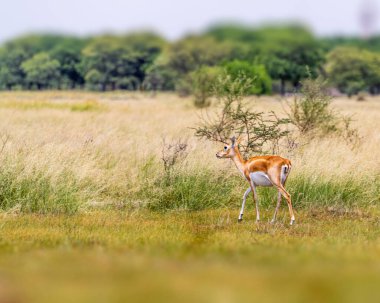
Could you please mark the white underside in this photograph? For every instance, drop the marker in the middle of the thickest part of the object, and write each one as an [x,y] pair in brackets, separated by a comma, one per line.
[260,179]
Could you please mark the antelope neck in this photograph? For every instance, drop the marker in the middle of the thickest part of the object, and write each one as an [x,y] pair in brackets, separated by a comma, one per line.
[239,162]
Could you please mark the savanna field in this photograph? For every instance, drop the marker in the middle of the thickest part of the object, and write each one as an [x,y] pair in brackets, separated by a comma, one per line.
[89,214]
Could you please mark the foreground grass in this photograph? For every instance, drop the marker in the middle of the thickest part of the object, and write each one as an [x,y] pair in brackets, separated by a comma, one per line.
[120,256]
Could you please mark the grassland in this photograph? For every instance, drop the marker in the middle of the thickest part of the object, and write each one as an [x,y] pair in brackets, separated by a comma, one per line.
[89,215]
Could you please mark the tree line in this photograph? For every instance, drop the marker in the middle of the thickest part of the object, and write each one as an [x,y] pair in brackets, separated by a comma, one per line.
[278,58]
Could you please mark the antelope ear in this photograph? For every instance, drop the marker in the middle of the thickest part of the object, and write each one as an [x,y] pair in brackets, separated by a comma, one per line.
[233,139]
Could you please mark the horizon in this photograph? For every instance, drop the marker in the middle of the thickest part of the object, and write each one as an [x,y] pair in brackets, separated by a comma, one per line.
[174,21]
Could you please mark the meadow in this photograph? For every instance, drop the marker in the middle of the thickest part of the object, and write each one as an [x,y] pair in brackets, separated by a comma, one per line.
[88,213]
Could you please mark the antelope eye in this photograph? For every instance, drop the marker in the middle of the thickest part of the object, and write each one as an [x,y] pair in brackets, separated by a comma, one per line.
[225,148]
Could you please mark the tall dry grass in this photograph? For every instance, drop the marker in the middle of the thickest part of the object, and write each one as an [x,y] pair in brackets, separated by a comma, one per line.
[64,151]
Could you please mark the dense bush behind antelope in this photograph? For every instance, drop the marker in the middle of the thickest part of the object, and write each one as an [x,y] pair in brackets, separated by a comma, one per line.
[72,151]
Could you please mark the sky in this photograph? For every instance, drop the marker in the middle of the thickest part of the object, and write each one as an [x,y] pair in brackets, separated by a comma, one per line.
[173,18]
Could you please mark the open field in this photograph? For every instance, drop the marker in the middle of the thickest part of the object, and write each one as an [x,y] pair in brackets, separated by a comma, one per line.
[198,256]
[88,214]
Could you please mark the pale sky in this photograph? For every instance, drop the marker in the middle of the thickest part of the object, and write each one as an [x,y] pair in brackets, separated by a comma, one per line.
[174,18]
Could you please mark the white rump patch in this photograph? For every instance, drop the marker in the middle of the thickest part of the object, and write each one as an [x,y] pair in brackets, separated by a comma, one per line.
[284,173]
[260,179]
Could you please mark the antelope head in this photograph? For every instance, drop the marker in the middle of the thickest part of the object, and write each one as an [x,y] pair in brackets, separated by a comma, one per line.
[229,151]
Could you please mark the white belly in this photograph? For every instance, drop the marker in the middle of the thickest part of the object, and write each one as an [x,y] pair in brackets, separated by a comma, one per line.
[260,179]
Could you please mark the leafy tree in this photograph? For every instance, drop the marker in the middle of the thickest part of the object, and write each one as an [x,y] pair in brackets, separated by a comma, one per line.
[289,53]
[371,44]
[32,44]
[353,70]
[159,76]
[122,61]
[11,73]
[258,73]
[95,80]
[68,53]
[293,60]
[62,48]
[148,46]
[105,60]
[41,71]
[193,52]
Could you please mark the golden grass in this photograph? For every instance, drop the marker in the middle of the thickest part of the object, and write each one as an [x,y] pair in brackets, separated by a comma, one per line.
[108,146]
[125,253]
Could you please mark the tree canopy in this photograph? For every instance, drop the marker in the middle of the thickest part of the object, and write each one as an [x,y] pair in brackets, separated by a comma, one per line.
[277,57]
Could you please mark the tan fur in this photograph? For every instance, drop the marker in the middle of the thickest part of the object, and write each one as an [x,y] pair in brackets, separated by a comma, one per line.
[270,165]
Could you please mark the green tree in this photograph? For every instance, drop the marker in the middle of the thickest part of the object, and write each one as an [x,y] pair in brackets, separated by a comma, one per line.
[159,75]
[193,52]
[11,73]
[122,61]
[95,80]
[258,73]
[41,71]
[33,44]
[289,53]
[68,53]
[353,70]
[292,58]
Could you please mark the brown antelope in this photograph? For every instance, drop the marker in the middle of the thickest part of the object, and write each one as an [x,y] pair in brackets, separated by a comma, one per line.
[260,171]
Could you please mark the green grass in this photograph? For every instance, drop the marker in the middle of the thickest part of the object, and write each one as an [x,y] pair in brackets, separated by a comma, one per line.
[88,105]
[37,192]
[191,191]
[310,191]
[206,256]
[204,189]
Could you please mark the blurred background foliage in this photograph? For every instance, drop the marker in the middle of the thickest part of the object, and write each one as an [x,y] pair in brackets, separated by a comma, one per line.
[278,58]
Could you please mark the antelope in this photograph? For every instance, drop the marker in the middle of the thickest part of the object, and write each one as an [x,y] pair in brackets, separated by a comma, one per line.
[260,171]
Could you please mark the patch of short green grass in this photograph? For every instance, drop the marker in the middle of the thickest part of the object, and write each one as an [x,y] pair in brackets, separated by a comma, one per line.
[203,256]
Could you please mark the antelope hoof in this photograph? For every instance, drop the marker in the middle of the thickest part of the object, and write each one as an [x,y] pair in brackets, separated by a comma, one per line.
[292,221]
[240,219]
[272,221]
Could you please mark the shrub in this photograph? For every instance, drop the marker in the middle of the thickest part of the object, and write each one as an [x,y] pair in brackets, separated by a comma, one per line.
[311,109]
[311,112]
[172,153]
[203,81]
[183,86]
[262,131]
